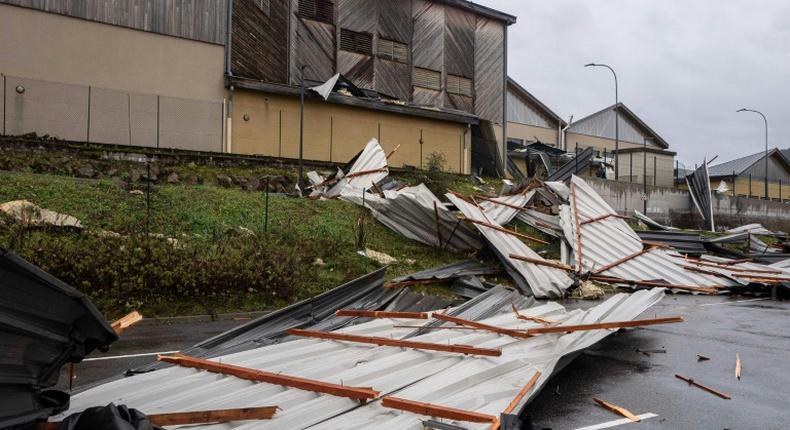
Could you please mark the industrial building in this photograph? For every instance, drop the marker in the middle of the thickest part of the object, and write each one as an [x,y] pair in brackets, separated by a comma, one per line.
[745,176]
[642,154]
[224,76]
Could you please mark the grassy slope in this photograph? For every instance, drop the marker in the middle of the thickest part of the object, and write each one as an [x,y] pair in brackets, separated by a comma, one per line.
[198,213]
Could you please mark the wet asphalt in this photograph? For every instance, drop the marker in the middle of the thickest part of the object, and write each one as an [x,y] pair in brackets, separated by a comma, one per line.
[613,370]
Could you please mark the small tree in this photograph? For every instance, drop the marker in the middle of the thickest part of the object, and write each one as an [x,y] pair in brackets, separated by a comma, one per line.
[435,162]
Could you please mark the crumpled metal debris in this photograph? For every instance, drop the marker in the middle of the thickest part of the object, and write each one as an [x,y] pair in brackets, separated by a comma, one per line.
[366,169]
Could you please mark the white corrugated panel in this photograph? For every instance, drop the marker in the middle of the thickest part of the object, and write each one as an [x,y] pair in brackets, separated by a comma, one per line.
[542,281]
[480,384]
[502,214]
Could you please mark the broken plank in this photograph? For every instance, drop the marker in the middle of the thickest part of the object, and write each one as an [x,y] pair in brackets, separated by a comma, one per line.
[357,393]
[738,366]
[196,417]
[530,317]
[433,410]
[523,392]
[603,217]
[481,326]
[617,409]
[383,341]
[126,321]
[708,389]
[541,262]
[701,357]
[604,325]
[507,231]
[381,314]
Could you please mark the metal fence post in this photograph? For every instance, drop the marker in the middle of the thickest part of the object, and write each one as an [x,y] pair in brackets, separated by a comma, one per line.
[733,183]
[576,159]
[148,198]
[266,208]
[631,167]
[750,185]
[655,166]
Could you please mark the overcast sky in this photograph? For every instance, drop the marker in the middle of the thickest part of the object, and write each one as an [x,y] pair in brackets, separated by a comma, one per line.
[684,66]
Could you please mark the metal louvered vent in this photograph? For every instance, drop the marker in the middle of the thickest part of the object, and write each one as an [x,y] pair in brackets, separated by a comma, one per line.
[320,10]
[392,50]
[427,79]
[459,85]
[361,43]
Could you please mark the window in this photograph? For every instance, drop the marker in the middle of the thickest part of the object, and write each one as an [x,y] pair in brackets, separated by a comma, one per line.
[427,78]
[263,5]
[320,10]
[392,50]
[459,85]
[353,41]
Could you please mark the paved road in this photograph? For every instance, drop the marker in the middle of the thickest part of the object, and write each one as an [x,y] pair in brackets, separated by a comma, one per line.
[612,369]
[718,327]
[142,339]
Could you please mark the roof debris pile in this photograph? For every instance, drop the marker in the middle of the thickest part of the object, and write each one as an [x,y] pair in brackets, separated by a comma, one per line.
[381,373]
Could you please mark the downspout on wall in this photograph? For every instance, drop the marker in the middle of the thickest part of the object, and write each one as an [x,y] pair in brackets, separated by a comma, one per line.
[228,75]
[504,105]
[563,140]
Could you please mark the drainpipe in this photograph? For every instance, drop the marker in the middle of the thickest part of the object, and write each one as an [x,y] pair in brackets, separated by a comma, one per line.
[562,134]
[465,157]
[229,75]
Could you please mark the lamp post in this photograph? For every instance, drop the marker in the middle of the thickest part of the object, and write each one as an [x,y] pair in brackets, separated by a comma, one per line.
[766,145]
[301,127]
[616,119]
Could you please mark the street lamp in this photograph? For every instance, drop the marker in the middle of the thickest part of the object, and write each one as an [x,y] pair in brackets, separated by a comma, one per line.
[766,145]
[616,119]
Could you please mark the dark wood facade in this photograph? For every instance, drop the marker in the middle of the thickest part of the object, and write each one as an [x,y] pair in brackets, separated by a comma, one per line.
[448,38]
[202,20]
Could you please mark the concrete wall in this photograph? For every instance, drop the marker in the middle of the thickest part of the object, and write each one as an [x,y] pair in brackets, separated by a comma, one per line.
[58,48]
[528,133]
[336,133]
[674,206]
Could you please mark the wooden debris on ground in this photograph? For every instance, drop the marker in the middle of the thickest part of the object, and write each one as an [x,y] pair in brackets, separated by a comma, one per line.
[706,388]
[126,321]
[738,366]
[617,409]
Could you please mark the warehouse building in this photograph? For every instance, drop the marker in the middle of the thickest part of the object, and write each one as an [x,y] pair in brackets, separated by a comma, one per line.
[745,176]
[643,155]
[224,76]
[529,120]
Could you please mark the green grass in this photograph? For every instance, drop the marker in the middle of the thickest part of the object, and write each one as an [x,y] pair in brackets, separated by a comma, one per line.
[199,216]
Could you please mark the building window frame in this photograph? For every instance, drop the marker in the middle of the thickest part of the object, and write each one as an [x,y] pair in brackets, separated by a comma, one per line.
[427,78]
[356,41]
[392,50]
[317,10]
[459,85]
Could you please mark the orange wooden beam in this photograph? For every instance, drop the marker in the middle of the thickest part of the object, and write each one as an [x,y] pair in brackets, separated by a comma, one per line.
[197,417]
[617,409]
[526,389]
[612,280]
[624,259]
[605,325]
[126,321]
[578,228]
[439,411]
[603,217]
[530,317]
[383,341]
[538,261]
[706,388]
[357,393]
[381,314]
[481,326]
[510,232]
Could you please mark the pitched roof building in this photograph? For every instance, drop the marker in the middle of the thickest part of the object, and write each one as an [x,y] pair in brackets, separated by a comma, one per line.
[745,176]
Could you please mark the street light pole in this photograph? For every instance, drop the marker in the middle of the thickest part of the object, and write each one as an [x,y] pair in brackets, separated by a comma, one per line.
[616,119]
[765,120]
[301,127]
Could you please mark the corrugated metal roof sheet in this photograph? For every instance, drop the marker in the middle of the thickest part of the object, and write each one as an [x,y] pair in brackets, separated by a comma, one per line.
[610,240]
[542,281]
[482,384]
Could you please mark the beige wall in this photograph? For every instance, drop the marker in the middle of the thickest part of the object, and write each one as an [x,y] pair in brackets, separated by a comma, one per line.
[336,133]
[663,166]
[597,142]
[57,48]
[530,132]
[757,188]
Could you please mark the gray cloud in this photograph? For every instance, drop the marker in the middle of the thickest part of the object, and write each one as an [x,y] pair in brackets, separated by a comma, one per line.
[684,67]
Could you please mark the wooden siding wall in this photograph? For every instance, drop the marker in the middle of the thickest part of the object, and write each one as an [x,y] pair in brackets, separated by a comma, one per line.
[259,41]
[202,20]
[440,37]
[489,63]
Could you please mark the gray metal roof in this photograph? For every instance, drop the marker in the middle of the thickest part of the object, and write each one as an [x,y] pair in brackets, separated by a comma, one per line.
[624,110]
[740,165]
